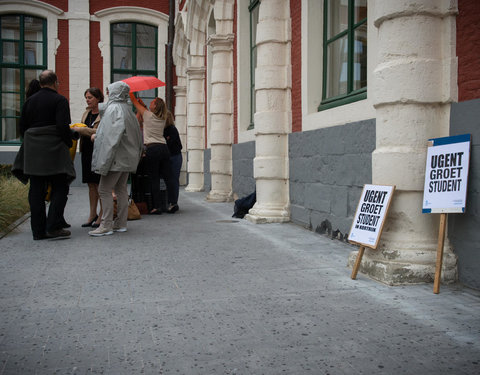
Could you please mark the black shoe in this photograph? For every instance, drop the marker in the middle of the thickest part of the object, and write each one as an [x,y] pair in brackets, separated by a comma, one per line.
[156,211]
[41,237]
[65,224]
[58,233]
[173,208]
[95,225]
[90,223]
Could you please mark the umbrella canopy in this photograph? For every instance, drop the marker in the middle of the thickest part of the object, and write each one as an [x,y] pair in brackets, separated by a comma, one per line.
[140,83]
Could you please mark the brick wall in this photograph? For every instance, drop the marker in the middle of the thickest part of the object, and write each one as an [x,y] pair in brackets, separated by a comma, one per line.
[62,4]
[61,59]
[296,17]
[96,60]
[159,5]
[468,49]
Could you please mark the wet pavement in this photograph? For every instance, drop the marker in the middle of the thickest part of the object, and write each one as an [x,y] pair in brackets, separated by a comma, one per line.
[198,292]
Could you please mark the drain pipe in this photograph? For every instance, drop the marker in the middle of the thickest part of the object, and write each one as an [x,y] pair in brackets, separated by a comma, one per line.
[169,73]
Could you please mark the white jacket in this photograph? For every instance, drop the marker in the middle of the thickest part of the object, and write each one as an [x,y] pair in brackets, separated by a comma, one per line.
[118,143]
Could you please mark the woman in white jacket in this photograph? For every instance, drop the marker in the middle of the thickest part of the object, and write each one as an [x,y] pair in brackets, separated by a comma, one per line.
[116,152]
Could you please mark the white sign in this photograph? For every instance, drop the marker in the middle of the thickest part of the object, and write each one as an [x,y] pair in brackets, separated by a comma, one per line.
[446,174]
[371,213]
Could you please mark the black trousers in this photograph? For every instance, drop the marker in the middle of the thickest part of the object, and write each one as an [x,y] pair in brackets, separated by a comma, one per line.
[40,222]
[157,159]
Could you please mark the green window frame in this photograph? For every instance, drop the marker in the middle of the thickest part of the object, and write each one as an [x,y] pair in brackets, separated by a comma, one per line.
[23,56]
[253,9]
[134,52]
[344,52]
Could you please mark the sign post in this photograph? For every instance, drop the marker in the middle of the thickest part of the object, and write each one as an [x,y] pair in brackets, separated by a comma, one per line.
[445,189]
[369,218]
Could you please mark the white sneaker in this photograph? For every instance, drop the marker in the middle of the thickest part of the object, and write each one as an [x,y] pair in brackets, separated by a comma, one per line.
[119,229]
[100,231]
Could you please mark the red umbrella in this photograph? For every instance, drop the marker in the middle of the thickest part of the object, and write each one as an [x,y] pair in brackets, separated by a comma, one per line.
[140,83]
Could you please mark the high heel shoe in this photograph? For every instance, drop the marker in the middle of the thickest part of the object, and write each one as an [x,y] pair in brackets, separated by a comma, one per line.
[172,209]
[90,223]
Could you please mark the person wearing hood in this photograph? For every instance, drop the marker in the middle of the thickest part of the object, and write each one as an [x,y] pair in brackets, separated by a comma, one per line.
[117,150]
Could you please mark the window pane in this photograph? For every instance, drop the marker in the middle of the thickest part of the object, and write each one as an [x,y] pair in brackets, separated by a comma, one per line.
[10,130]
[360,11]
[337,68]
[11,79]
[120,76]
[145,36]
[11,104]
[122,58]
[29,75]
[146,59]
[337,17]
[11,27]
[122,34]
[33,53]
[360,58]
[10,52]
[33,29]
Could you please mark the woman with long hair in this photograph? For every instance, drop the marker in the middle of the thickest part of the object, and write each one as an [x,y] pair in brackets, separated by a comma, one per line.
[157,155]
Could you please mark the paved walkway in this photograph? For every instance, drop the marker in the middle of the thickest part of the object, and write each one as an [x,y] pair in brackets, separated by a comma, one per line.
[200,293]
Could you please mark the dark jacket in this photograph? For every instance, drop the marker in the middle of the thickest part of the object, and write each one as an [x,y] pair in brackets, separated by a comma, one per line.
[43,153]
[46,108]
[173,140]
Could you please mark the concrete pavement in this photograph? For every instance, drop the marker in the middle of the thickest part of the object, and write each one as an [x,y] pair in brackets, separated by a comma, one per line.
[198,292]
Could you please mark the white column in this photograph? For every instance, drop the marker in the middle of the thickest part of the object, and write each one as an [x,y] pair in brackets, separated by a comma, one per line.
[79,55]
[221,112]
[414,84]
[181,124]
[273,117]
[195,128]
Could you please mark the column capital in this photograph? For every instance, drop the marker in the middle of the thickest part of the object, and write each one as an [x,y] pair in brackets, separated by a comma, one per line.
[221,42]
[194,72]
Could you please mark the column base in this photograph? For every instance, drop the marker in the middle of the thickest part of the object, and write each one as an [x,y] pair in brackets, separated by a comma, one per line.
[194,189]
[258,215]
[219,196]
[402,272]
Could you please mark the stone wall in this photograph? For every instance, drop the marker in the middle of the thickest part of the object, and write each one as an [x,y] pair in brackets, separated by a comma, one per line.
[463,228]
[243,181]
[328,168]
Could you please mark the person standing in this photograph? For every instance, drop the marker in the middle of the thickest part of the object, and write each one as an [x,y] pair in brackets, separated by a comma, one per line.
[157,158]
[91,118]
[44,156]
[116,152]
[175,147]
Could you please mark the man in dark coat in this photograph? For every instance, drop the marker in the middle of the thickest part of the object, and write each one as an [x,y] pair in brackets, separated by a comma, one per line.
[44,158]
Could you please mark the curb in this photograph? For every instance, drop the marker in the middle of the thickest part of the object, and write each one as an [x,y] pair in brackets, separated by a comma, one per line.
[15,224]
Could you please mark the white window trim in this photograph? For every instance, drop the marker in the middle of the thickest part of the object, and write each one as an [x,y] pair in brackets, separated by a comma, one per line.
[136,15]
[243,74]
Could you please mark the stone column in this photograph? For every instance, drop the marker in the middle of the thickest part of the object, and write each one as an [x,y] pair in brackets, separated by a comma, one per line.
[221,112]
[414,84]
[195,127]
[181,124]
[273,117]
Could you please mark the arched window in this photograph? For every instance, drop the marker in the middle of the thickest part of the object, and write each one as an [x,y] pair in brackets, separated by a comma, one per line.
[23,56]
[134,53]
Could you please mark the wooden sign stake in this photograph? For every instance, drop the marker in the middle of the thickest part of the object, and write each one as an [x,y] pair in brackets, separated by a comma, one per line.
[361,250]
[441,241]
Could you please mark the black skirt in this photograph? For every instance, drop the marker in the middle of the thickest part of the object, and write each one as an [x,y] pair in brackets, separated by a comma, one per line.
[88,177]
